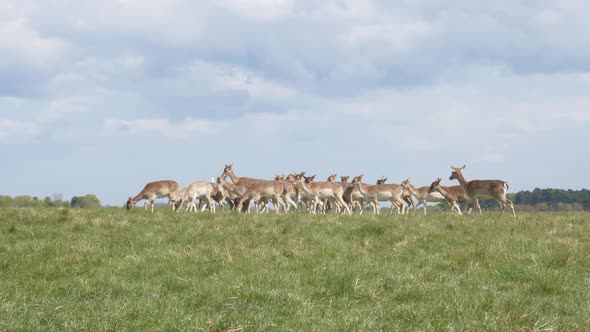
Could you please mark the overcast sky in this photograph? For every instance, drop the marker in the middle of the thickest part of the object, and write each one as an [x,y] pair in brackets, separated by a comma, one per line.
[102,97]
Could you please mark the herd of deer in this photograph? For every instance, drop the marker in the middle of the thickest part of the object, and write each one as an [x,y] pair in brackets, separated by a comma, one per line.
[298,191]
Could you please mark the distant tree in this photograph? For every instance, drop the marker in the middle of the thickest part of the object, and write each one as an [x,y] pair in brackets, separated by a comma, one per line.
[48,202]
[88,201]
[5,201]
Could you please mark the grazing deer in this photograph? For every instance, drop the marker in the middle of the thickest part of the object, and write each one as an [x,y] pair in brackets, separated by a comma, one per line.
[476,189]
[381,193]
[153,190]
[198,189]
[450,196]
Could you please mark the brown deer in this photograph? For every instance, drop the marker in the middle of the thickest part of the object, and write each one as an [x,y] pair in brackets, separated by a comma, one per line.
[476,189]
[452,197]
[153,190]
[242,182]
[380,193]
[197,189]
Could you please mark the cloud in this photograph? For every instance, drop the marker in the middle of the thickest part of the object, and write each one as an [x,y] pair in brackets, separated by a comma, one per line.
[161,127]
[19,132]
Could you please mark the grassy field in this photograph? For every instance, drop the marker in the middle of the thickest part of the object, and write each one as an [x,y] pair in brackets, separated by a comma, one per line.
[116,270]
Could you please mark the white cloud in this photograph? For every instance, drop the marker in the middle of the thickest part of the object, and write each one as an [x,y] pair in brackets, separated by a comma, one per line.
[17,131]
[224,77]
[396,37]
[161,127]
[23,47]
[266,10]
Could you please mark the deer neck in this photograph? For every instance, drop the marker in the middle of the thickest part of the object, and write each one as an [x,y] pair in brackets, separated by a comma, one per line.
[233,177]
[137,198]
[462,180]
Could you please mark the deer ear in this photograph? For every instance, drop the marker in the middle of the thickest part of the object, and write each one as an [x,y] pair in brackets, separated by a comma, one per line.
[463,167]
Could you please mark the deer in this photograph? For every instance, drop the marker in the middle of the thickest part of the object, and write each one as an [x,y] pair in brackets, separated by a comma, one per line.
[259,190]
[380,193]
[352,195]
[229,190]
[221,197]
[308,197]
[153,190]
[242,182]
[293,187]
[406,195]
[476,189]
[327,205]
[197,189]
[331,191]
[423,196]
[451,196]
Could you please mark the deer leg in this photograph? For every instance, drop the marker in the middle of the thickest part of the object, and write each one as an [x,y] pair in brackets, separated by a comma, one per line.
[478,206]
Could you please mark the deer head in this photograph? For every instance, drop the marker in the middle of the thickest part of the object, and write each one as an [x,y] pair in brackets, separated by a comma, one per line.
[344,179]
[129,203]
[309,179]
[227,170]
[457,172]
[357,179]
[434,184]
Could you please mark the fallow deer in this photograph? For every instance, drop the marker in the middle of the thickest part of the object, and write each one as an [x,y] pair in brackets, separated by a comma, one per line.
[477,189]
[272,190]
[450,196]
[197,189]
[153,190]
[242,182]
[381,193]
[423,196]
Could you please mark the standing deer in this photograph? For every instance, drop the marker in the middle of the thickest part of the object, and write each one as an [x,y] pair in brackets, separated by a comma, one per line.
[153,190]
[198,189]
[243,183]
[477,189]
[261,190]
[423,196]
[381,192]
[452,197]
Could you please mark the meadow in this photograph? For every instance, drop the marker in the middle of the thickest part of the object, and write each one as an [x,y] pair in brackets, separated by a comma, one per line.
[110,269]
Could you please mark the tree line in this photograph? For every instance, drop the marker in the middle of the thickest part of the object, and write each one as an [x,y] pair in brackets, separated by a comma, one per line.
[85,202]
[546,200]
[536,200]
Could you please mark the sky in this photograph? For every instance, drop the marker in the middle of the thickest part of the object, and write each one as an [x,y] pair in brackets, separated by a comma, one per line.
[102,97]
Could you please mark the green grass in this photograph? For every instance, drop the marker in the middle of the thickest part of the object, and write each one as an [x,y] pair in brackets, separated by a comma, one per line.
[111,269]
